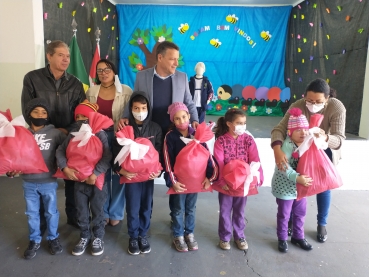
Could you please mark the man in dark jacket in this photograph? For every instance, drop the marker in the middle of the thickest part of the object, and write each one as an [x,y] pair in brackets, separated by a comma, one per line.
[63,93]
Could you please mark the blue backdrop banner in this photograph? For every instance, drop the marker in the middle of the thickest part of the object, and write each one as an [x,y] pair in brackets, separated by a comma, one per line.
[243,48]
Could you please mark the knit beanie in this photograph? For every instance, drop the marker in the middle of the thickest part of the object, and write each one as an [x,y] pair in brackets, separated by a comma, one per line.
[174,108]
[296,121]
[37,102]
[85,108]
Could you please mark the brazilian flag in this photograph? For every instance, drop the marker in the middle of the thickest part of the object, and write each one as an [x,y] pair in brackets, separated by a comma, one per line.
[76,66]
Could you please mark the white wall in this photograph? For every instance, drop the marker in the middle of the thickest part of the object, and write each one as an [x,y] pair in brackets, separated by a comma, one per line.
[364,122]
[21,48]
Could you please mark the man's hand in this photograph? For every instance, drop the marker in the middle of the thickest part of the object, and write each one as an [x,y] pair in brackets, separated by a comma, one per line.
[195,124]
[123,122]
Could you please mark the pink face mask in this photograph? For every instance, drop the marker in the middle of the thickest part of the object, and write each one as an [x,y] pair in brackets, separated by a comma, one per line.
[183,126]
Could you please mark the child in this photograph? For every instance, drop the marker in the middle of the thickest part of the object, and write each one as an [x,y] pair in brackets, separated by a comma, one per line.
[233,143]
[183,206]
[42,184]
[87,195]
[284,185]
[139,196]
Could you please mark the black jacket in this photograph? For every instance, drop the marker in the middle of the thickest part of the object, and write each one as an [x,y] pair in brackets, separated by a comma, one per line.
[206,90]
[39,83]
[149,130]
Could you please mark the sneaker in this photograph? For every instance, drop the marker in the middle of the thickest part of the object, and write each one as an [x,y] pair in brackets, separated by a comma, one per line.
[180,244]
[55,246]
[225,245]
[191,242]
[242,244]
[282,246]
[133,248]
[97,247]
[144,245]
[31,250]
[303,243]
[322,235]
[80,248]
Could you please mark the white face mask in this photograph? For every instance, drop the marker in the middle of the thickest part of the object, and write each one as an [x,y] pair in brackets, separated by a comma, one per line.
[140,116]
[239,129]
[314,108]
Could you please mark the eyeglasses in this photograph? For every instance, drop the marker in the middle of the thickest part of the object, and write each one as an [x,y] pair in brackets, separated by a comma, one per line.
[314,102]
[106,70]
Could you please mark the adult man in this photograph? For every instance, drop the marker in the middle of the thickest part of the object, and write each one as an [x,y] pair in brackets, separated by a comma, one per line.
[164,85]
[63,92]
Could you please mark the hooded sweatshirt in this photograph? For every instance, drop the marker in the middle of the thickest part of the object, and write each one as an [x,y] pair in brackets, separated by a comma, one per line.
[48,139]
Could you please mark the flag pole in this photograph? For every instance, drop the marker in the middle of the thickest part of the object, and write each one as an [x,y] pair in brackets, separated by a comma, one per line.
[74,26]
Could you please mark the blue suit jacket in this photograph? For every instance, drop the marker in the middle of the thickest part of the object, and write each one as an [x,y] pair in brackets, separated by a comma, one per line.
[180,90]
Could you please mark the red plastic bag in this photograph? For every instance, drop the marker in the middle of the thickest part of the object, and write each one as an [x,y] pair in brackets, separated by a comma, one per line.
[315,163]
[192,160]
[137,156]
[235,174]
[85,150]
[19,150]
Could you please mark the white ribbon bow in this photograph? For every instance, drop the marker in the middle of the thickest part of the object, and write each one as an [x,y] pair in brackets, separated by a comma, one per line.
[118,85]
[308,141]
[137,150]
[7,128]
[188,140]
[84,134]
[254,171]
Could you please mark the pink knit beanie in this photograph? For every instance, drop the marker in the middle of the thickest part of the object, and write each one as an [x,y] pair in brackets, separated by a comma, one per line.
[174,108]
[296,121]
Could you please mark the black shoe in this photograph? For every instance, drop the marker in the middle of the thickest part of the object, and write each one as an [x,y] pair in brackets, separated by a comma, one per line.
[55,246]
[282,246]
[133,248]
[97,247]
[302,243]
[290,228]
[81,246]
[144,245]
[31,250]
[321,234]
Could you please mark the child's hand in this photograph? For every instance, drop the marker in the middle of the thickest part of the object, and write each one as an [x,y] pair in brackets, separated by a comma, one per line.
[304,180]
[91,180]
[179,187]
[128,175]
[154,175]
[11,174]
[69,173]
[225,187]
[206,183]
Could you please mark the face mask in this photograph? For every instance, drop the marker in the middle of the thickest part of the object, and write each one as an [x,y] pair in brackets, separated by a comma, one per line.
[80,122]
[39,121]
[314,108]
[183,126]
[240,129]
[140,116]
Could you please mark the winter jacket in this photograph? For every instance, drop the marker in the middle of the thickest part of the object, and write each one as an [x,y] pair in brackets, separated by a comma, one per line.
[48,139]
[39,83]
[206,90]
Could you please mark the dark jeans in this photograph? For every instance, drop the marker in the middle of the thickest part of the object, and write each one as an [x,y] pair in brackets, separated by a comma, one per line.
[139,207]
[70,206]
[88,198]
[201,114]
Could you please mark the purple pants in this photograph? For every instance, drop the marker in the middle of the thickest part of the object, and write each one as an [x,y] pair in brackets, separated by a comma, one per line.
[297,211]
[231,214]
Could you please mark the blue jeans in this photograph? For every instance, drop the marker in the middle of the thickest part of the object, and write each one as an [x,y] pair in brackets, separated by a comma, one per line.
[115,202]
[323,200]
[32,194]
[183,213]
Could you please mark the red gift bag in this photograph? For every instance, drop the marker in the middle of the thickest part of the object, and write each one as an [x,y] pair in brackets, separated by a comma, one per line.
[85,150]
[19,150]
[192,160]
[240,177]
[137,156]
[315,163]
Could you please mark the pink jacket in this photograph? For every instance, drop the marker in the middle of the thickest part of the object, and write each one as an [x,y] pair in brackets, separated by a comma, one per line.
[227,148]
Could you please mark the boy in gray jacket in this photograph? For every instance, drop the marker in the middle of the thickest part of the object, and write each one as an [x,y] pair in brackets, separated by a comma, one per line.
[42,185]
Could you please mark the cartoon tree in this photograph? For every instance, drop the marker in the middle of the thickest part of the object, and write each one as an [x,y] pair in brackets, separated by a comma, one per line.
[141,38]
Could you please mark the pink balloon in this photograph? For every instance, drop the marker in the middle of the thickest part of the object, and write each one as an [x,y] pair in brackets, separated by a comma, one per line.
[248,92]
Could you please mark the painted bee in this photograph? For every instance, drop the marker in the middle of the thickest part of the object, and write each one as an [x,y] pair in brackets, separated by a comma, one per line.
[232,18]
[265,35]
[215,42]
[183,28]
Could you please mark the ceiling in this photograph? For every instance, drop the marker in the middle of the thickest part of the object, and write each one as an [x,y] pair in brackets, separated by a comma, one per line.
[211,2]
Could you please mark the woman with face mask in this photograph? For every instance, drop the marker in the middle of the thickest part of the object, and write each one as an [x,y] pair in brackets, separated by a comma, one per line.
[112,97]
[319,99]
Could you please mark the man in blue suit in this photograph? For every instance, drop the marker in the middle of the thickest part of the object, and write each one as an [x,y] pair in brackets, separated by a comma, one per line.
[164,85]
